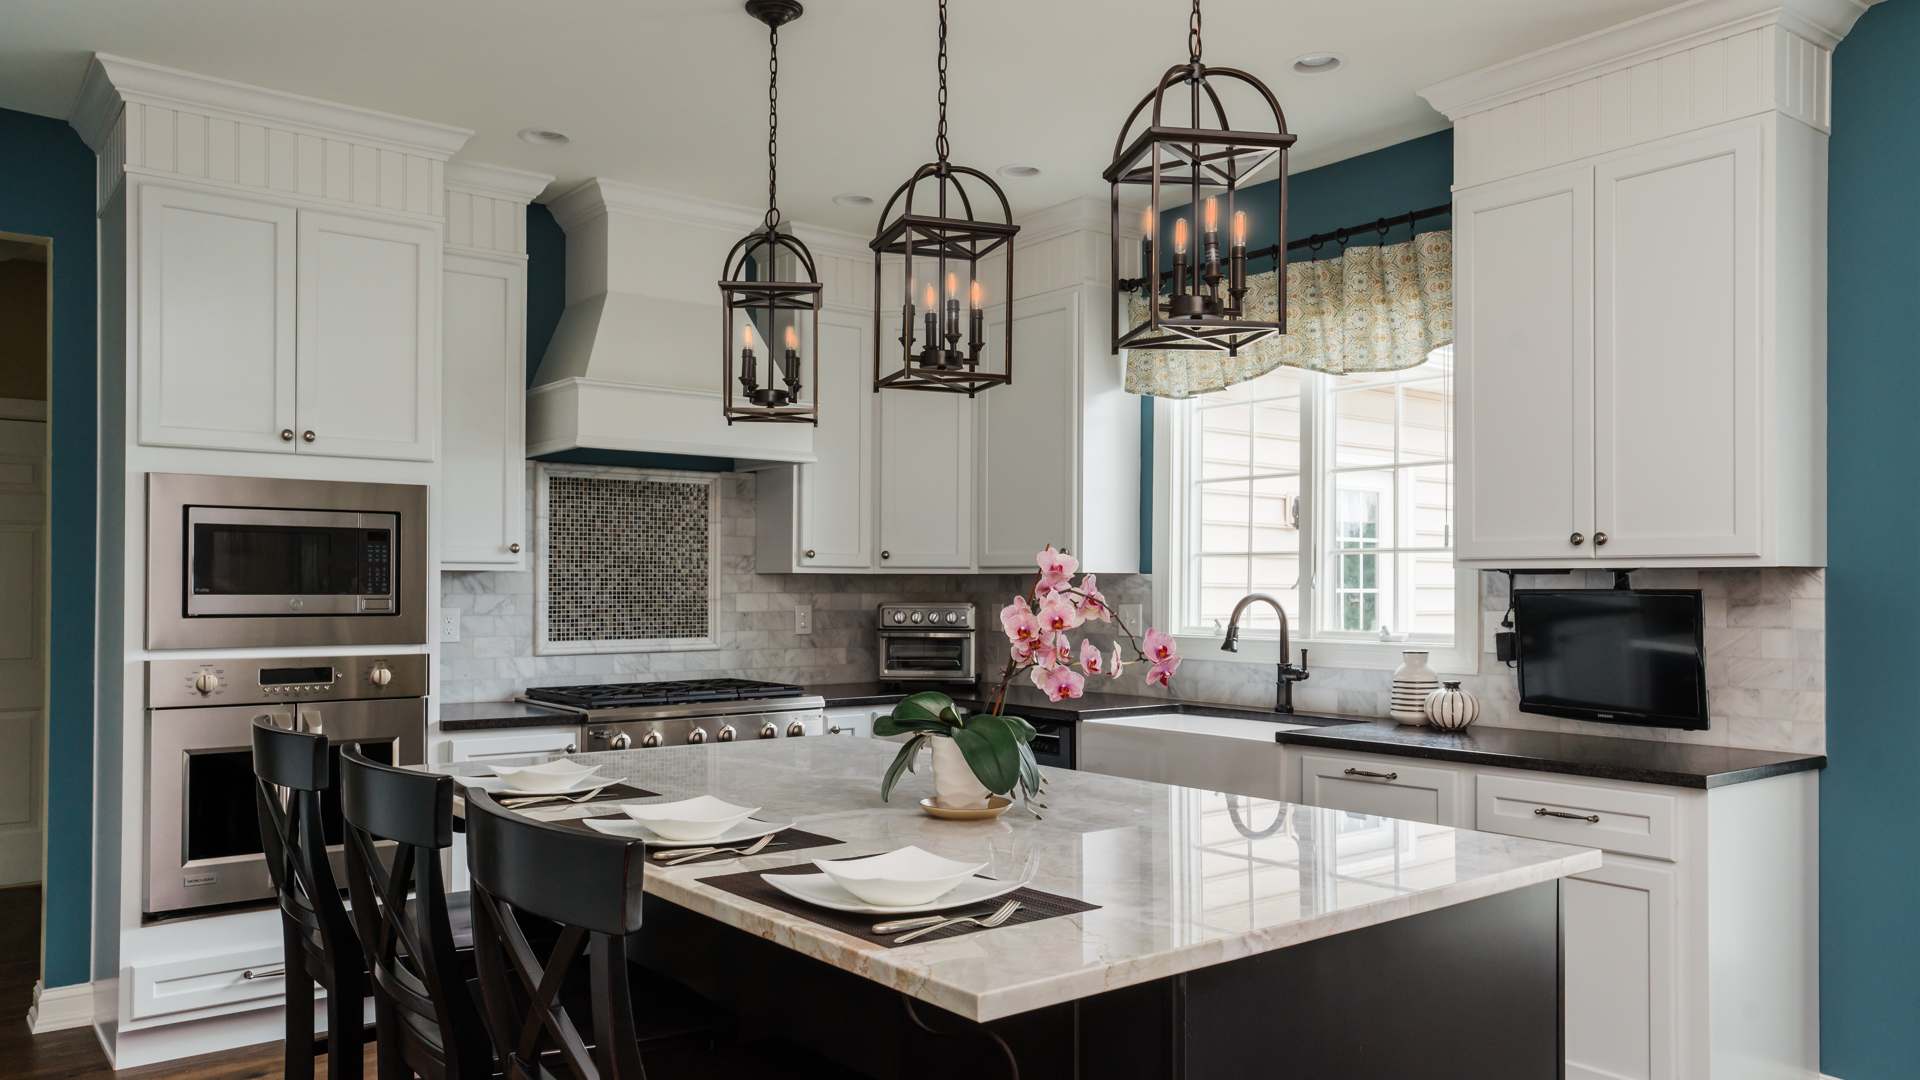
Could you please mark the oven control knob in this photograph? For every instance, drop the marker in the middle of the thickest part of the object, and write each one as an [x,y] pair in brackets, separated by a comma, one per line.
[620,741]
[726,733]
[650,740]
[697,735]
[899,616]
[768,731]
[206,682]
[796,729]
[917,616]
[381,675]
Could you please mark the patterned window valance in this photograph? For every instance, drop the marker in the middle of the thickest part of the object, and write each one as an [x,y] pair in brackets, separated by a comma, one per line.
[1375,308]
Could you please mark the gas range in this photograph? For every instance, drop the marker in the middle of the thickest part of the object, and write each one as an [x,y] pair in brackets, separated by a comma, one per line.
[621,716]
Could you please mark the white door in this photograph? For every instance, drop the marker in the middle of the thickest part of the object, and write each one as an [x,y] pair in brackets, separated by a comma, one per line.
[483,463]
[1030,433]
[216,321]
[1523,355]
[836,491]
[926,480]
[369,323]
[1677,234]
[23,682]
[1620,956]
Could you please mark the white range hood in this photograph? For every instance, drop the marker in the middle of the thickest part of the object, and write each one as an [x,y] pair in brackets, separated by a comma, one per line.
[635,363]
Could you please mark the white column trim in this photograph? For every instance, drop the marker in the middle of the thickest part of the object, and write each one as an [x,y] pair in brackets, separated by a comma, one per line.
[60,1008]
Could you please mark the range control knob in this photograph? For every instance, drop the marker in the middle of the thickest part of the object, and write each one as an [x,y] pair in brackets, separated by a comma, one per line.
[650,740]
[206,682]
[620,741]
[899,616]
[917,616]
[796,729]
[697,735]
[726,733]
[768,731]
[952,617]
[381,675]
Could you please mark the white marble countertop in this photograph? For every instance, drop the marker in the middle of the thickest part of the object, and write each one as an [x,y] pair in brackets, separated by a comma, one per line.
[1180,882]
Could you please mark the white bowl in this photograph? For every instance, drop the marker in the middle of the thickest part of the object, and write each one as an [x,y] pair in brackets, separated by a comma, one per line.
[547,776]
[700,818]
[898,878]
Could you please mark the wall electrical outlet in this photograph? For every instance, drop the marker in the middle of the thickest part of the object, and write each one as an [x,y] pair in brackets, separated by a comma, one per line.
[449,625]
[803,619]
[1132,615]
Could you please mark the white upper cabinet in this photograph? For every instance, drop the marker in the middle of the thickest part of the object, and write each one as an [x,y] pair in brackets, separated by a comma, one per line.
[369,349]
[1640,259]
[483,487]
[216,319]
[836,497]
[1028,433]
[926,480]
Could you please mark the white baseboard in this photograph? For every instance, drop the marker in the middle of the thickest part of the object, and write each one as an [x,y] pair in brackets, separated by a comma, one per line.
[60,1008]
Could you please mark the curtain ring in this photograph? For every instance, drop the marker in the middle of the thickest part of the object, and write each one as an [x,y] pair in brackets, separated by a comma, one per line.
[1380,227]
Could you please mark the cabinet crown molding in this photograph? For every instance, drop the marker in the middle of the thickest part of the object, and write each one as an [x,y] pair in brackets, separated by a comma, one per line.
[600,195]
[1661,33]
[113,81]
[496,181]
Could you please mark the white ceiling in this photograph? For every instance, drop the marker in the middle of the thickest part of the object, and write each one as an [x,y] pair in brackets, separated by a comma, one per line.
[672,93]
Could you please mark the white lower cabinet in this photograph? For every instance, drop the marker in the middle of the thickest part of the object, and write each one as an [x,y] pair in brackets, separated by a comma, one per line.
[855,721]
[1386,787]
[1620,955]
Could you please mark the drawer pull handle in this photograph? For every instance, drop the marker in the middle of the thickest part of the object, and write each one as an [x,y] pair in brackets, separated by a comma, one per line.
[1591,819]
[263,973]
[1374,775]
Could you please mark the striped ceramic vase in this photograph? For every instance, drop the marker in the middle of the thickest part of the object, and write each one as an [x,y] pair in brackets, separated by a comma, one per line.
[1413,680]
[1451,708]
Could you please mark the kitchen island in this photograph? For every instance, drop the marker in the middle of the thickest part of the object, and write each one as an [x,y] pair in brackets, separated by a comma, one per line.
[1229,934]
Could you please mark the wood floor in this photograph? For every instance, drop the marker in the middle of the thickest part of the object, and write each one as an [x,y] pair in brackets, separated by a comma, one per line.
[62,1055]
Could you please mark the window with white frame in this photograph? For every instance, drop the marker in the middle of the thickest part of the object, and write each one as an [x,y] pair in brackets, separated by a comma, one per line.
[1332,493]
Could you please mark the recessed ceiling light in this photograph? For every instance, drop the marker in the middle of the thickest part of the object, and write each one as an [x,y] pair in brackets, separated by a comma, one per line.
[1020,171]
[1316,63]
[543,137]
[851,199]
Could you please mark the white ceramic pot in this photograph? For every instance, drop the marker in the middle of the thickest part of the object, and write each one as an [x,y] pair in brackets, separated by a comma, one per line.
[1413,680]
[1451,708]
[953,781]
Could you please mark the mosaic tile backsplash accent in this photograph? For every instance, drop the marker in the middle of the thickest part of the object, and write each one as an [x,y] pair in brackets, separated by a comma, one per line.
[627,558]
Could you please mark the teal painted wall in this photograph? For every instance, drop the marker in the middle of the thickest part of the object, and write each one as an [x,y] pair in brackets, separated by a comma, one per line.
[46,189]
[1869,875]
[1412,175]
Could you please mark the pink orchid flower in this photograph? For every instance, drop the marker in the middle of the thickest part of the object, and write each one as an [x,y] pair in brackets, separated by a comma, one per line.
[1059,683]
[1057,613]
[1159,647]
[1115,663]
[1161,673]
[1092,605]
[1018,622]
[1091,661]
[1024,651]
[1056,570]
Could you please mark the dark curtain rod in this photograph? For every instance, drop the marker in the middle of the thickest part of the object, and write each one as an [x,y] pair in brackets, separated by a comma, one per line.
[1378,226]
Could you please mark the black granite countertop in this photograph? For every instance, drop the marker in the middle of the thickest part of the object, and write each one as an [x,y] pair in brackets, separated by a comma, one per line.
[492,715]
[1643,761]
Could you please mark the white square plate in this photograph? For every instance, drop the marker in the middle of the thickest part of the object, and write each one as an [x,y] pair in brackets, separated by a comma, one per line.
[745,832]
[820,891]
[702,817]
[904,876]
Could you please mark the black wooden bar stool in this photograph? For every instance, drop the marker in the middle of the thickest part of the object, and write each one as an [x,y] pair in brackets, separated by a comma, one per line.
[291,771]
[426,1010]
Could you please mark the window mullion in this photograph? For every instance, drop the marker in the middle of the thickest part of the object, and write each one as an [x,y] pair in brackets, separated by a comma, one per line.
[1312,401]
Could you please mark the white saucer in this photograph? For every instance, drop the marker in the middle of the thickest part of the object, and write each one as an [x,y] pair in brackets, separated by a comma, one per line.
[820,891]
[750,829]
[492,786]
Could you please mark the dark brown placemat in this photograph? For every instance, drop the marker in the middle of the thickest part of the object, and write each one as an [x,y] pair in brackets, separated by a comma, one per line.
[789,839]
[1034,906]
[612,792]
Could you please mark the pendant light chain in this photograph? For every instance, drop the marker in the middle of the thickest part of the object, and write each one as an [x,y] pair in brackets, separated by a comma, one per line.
[940,138]
[1193,34]
[773,125]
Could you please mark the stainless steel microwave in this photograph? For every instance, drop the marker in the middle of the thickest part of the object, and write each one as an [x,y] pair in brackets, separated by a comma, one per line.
[235,561]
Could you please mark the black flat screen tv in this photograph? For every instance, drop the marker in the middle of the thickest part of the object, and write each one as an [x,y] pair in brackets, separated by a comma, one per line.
[1624,656]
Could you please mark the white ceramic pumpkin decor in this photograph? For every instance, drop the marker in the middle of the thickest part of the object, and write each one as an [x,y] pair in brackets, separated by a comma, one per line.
[1451,708]
[1413,680]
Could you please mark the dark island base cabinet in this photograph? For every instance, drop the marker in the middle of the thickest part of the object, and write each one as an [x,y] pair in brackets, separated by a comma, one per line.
[1471,991]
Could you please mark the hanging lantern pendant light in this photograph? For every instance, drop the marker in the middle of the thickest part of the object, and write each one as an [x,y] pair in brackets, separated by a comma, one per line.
[1198,167]
[940,347]
[750,282]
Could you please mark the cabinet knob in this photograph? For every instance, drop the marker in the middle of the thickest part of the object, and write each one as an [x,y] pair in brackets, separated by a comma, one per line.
[886,554]
[514,548]
[1577,539]
[572,749]
[307,435]
[1599,539]
[286,434]
[809,553]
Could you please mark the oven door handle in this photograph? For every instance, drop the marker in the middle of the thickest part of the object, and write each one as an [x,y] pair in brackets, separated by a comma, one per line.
[939,634]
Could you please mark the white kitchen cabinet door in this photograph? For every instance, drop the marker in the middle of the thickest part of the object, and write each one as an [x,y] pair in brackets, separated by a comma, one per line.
[1386,787]
[1677,463]
[483,470]
[369,344]
[1523,354]
[1621,954]
[836,494]
[926,480]
[1029,434]
[216,321]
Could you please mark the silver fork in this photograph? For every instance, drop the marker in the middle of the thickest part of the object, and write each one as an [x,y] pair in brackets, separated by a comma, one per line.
[675,858]
[534,800]
[1006,912]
